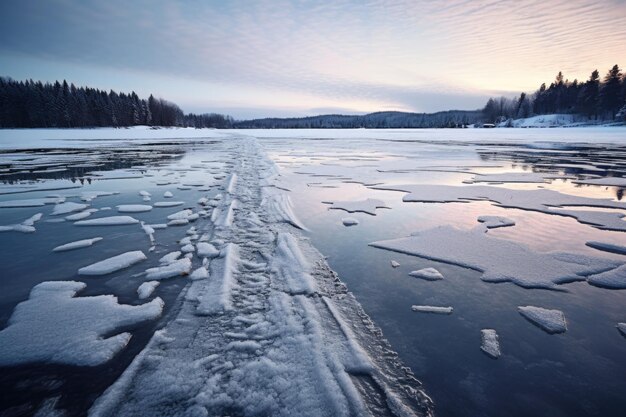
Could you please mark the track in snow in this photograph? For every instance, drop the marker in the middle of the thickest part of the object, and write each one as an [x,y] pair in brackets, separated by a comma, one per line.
[271,331]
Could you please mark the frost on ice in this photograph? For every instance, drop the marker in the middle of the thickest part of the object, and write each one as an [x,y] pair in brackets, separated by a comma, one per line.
[551,321]
[430,274]
[368,206]
[489,343]
[498,259]
[77,244]
[113,264]
[54,326]
[432,309]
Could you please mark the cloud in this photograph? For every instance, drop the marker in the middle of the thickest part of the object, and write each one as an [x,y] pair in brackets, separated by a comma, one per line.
[420,55]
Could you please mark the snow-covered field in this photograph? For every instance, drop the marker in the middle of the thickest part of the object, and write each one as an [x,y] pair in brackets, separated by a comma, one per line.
[278,272]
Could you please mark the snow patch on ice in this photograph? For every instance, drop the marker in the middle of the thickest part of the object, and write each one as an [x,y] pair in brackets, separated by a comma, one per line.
[113,264]
[108,221]
[430,274]
[432,309]
[489,343]
[54,326]
[499,259]
[551,321]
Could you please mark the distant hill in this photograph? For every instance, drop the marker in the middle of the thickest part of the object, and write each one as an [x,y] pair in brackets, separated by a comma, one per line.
[378,120]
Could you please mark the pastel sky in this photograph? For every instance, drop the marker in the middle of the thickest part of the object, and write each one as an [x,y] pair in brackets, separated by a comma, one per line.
[290,58]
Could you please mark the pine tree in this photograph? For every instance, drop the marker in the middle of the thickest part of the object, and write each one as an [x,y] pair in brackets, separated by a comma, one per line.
[610,93]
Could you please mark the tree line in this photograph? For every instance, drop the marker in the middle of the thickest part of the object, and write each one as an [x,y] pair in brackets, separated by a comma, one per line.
[379,120]
[595,98]
[59,104]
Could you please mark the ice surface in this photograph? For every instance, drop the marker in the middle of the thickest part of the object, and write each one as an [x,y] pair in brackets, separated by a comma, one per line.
[493,222]
[33,202]
[77,244]
[279,208]
[168,203]
[608,181]
[432,309]
[133,208]
[615,278]
[542,200]
[113,264]
[69,207]
[174,269]
[108,221]
[489,343]
[146,289]
[607,247]
[430,274]
[54,326]
[499,259]
[290,268]
[368,206]
[552,321]
[510,177]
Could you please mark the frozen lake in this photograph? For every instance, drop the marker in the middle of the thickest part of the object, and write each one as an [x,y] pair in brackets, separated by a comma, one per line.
[438,234]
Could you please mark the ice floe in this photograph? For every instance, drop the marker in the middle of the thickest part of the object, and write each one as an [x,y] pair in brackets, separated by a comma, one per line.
[551,321]
[168,194]
[114,263]
[430,274]
[55,326]
[395,264]
[27,226]
[489,343]
[173,269]
[615,278]
[78,244]
[368,206]
[68,207]
[349,221]
[133,208]
[432,309]
[607,247]
[498,259]
[622,328]
[108,221]
[205,249]
[170,257]
[146,289]
[510,177]
[163,204]
[81,215]
[493,222]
